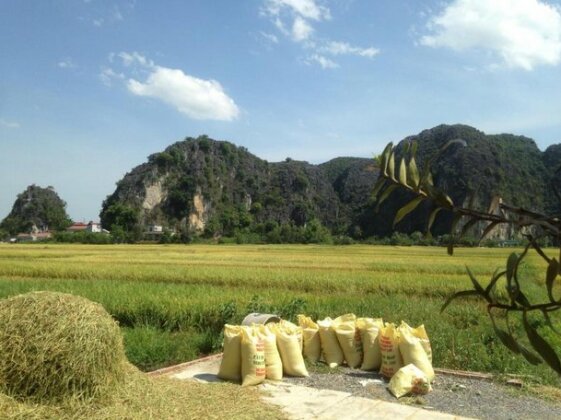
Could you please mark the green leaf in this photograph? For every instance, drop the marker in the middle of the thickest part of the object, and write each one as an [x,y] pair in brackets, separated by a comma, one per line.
[403,173]
[462,293]
[391,167]
[543,348]
[414,147]
[430,181]
[475,283]
[414,173]
[406,209]
[496,276]
[488,230]
[432,217]
[530,356]
[452,142]
[378,187]
[450,247]
[511,264]
[455,221]
[428,164]
[467,226]
[406,147]
[508,340]
[442,199]
[386,194]
[522,299]
[386,158]
[551,275]
[549,323]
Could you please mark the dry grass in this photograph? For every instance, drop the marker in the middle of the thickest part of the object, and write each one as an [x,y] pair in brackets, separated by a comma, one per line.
[56,346]
[142,397]
[62,357]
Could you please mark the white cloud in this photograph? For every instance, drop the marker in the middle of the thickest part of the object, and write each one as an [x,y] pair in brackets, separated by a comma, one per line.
[197,98]
[301,30]
[324,62]
[117,15]
[307,9]
[129,59]
[343,48]
[101,14]
[522,33]
[300,12]
[107,76]
[270,37]
[9,124]
[67,63]
[294,19]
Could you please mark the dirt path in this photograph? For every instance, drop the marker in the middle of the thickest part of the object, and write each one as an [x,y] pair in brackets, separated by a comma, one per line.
[460,396]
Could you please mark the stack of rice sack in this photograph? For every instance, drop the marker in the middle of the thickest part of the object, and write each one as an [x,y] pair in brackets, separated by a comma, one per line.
[270,351]
[254,353]
[406,359]
[344,339]
[371,344]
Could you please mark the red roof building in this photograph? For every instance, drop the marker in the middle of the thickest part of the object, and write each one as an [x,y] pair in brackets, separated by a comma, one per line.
[77,227]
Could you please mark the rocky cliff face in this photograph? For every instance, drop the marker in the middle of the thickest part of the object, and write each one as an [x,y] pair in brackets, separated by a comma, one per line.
[204,185]
[212,186]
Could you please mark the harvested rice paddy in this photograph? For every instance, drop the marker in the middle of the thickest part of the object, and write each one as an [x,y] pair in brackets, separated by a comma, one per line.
[171,301]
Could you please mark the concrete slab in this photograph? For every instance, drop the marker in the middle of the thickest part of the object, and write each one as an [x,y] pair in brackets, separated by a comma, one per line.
[301,402]
[205,371]
[305,403]
[352,408]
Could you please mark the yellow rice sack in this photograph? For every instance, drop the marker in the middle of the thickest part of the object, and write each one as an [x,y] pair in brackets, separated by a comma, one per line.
[294,330]
[231,364]
[423,337]
[330,347]
[289,349]
[310,338]
[369,329]
[253,357]
[273,362]
[389,348]
[349,339]
[413,352]
[409,380]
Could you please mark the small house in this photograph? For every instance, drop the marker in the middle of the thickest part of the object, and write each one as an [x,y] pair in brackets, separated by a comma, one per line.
[77,227]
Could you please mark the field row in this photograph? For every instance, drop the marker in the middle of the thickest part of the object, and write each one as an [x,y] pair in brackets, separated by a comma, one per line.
[172,301]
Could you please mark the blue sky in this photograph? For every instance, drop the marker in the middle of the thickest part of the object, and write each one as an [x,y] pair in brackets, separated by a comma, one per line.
[90,88]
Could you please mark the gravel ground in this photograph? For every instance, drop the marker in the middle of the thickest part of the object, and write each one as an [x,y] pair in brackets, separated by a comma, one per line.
[468,397]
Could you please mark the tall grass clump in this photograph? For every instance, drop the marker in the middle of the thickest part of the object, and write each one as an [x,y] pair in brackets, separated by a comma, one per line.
[56,346]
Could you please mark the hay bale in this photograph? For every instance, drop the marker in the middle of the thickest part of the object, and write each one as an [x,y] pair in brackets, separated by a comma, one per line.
[56,346]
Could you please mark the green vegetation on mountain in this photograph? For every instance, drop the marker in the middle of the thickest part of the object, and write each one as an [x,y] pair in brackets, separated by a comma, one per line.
[36,208]
[504,165]
[200,186]
[552,161]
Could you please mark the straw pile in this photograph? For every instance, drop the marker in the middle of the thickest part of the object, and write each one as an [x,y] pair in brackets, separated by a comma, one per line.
[61,357]
[56,346]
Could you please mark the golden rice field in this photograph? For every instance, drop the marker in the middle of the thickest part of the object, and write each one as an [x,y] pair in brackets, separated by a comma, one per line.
[172,300]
